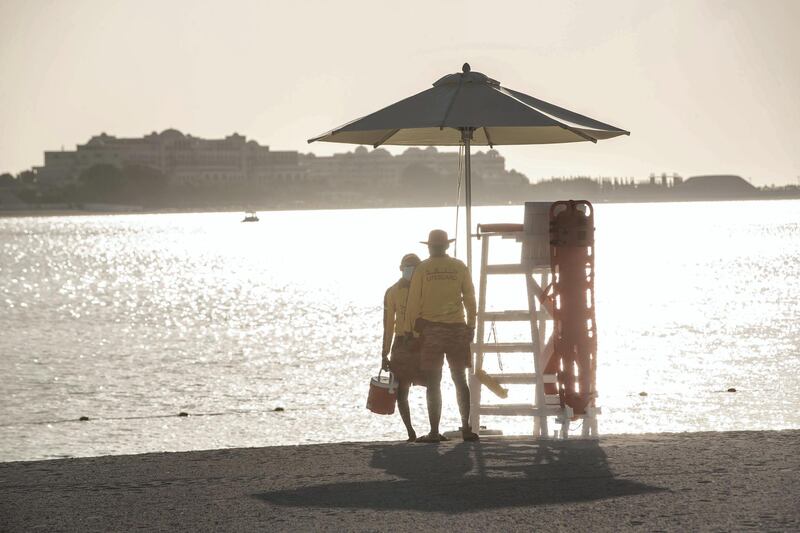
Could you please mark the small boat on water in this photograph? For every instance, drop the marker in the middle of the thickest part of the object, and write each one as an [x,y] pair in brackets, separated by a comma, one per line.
[250,216]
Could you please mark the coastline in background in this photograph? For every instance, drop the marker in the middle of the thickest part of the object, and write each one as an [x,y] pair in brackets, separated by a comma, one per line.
[50,210]
[173,171]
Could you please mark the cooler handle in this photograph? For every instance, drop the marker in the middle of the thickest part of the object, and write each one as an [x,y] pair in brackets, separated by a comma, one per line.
[392,380]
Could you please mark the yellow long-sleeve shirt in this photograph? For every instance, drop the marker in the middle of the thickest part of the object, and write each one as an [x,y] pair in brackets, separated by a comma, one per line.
[394,312]
[441,290]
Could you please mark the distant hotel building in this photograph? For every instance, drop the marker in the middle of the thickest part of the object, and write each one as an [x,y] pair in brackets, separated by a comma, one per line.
[191,161]
[380,167]
[184,159]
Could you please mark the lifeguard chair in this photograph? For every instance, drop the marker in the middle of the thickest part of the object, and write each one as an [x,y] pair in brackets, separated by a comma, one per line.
[557,263]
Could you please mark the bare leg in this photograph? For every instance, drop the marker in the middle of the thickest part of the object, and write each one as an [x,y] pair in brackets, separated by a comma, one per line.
[434,397]
[462,394]
[402,406]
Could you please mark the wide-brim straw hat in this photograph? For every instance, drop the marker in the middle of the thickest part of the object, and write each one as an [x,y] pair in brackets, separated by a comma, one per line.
[437,237]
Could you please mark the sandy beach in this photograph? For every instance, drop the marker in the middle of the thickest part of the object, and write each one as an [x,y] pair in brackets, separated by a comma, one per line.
[664,482]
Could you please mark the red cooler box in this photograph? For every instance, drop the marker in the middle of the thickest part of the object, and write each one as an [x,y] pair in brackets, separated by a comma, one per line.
[382,394]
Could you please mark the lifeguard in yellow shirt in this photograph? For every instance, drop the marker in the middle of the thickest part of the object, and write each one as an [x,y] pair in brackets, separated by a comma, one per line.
[441,309]
[404,362]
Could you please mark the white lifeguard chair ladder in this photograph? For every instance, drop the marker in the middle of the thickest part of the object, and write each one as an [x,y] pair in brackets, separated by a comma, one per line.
[534,265]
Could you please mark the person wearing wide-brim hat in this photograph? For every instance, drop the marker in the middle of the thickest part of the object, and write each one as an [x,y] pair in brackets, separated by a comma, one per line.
[438,237]
[404,362]
[441,309]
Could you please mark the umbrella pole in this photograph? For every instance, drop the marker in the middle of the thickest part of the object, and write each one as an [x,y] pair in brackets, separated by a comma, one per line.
[466,136]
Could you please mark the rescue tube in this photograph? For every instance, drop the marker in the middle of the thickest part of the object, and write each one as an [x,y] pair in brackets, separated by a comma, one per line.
[574,358]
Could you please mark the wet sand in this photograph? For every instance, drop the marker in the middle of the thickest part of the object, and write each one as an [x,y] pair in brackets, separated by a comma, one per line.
[666,482]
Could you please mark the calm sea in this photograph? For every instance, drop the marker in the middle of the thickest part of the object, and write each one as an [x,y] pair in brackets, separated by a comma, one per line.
[131,319]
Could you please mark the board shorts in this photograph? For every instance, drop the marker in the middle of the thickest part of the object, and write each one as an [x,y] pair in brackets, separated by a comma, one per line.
[405,361]
[445,340]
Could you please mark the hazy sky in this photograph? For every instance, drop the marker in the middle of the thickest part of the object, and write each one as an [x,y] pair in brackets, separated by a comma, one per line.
[704,86]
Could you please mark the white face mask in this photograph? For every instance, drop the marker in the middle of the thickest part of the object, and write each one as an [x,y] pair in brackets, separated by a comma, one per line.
[408,272]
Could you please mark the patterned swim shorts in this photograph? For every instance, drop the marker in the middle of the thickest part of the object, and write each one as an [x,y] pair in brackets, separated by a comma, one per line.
[445,340]
[404,362]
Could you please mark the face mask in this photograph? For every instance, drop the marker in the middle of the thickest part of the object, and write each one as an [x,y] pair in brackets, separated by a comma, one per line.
[407,273]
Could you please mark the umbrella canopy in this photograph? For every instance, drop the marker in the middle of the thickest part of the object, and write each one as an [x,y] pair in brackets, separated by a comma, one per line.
[497,116]
[468,108]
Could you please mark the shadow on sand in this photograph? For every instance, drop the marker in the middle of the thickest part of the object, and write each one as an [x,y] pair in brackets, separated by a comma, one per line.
[464,477]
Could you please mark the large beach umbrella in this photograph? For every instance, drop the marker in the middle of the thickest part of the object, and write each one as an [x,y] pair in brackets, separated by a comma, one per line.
[469,108]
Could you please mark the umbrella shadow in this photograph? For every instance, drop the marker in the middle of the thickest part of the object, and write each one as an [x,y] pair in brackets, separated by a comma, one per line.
[464,477]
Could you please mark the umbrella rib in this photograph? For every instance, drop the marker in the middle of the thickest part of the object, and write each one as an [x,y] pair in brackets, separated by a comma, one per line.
[385,138]
[488,139]
[577,132]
